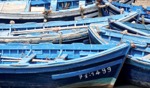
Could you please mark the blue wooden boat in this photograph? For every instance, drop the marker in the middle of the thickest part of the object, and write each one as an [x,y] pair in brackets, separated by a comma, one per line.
[117,8]
[61,65]
[138,26]
[52,10]
[33,25]
[136,69]
[122,26]
[67,34]
[101,34]
[52,35]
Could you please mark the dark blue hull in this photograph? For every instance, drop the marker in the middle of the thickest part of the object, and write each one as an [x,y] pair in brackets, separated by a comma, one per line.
[109,11]
[99,74]
[136,73]
[129,1]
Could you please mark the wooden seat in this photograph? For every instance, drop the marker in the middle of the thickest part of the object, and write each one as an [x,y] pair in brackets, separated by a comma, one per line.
[27,59]
[63,56]
[82,53]
[60,59]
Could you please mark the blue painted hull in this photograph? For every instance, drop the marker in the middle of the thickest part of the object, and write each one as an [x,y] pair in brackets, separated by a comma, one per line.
[139,26]
[29,26]
[137,73]
[104,78]
[120,26]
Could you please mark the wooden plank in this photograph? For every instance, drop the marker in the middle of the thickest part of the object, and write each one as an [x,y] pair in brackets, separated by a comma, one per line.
[82,3]
[94,31]
[28,6]
[27,58]
[83,53]
[2,5]
[38,60]
[46,30]
[102,6]
[12,58]
[44,39]
[63,56]
[3,60]
[54,5]
[33,60]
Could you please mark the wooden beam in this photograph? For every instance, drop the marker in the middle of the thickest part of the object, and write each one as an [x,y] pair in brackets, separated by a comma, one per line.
[46,30]
[102,6]
[33,60]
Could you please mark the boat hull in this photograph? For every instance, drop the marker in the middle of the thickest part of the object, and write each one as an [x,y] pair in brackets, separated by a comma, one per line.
[66,15]
[94,79]
[129,8]
[140,69]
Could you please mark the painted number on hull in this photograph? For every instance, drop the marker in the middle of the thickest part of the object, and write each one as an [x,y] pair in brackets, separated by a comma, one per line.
[95,73]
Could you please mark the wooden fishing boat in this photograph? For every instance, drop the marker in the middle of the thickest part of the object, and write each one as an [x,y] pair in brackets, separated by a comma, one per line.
[52,35]
[138,63]
[61,65]
[117,8]
[121,26]
[34,25]
[138,58]
[138,26]
[101,34]
[51,10]
[27,33]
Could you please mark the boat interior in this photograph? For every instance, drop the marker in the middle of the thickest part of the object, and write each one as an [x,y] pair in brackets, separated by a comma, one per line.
[44,53]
